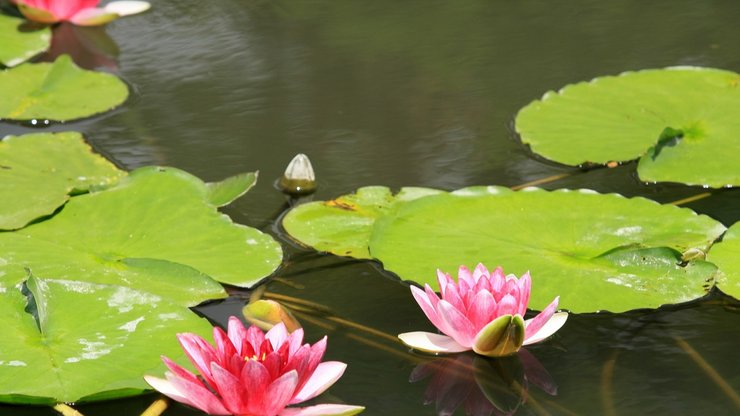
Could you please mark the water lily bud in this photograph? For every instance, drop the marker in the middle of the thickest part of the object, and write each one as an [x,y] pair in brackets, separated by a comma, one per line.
[299,177]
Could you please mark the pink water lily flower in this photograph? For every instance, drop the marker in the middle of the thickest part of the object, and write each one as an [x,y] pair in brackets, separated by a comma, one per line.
[79,12]
[252,373]
[484,312]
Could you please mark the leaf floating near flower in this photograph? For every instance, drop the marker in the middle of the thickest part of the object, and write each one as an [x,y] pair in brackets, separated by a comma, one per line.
[249,372]
[484,312]
[78,12]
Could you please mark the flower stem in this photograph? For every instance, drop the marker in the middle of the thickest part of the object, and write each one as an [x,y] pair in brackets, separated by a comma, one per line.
[156,408]
[709,371]
[66,410]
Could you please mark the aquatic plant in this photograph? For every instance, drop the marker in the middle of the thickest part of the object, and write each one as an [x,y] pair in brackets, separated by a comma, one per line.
[79,12]
[484,312]
[250,372]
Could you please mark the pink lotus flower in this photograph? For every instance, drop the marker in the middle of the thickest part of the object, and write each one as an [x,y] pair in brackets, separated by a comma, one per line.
[79,12]
[250,373]
[484,312]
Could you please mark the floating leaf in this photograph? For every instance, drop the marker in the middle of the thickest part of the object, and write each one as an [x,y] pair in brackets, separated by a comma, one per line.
[726,255]
[226,191]
[342,226]
[89,342]
[39,171]
[682,123]
[155,223]
[18,45]
[58,91]
[598,252]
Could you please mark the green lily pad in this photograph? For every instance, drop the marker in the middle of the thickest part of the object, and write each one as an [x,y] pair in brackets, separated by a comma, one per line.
[226,191]
[39,171]
[681,123]
[726,255]
[343,226]
[57,91]
[154,223]
[596,251]
[17,45]
[91,342]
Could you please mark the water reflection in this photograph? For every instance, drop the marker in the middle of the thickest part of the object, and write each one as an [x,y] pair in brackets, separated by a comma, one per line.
[482,386]
[89,47]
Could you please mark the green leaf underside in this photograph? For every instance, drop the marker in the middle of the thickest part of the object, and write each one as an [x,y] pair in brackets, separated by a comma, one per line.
[58,91]
[726,255]
[621,118]
[17,46]
[39,171]
[226,191]
[99,351]
[155,230]
[598,252]
[342,226]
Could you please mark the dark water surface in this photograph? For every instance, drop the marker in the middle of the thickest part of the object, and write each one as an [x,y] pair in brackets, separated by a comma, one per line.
[421,93]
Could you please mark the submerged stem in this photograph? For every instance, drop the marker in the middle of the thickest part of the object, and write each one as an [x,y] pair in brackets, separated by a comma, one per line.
[607,375]
[709,371]
[156,408]
[66,410]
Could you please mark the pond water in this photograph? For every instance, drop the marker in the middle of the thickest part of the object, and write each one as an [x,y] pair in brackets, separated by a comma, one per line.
[420,93]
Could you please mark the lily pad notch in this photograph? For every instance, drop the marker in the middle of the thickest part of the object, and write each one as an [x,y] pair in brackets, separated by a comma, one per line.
[681,123]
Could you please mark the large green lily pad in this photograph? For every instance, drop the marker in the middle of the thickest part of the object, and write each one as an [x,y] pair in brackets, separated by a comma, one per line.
[155,222]
[17,45]
[39,171]
[598,252]
[58,91]
[681,123]
[726,255]
[91,342]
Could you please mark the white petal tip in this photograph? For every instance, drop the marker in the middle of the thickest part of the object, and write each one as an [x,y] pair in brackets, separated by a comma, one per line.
[433,343]
[553,325]
[127,8]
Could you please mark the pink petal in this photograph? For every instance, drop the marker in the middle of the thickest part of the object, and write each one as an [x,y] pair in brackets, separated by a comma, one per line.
[550,327]
[198,396]
[482,309]
[225,350]
[277,335]
[533,325]
[427,301]
[326,374]
[464,275]
[452,295]
[429,342]
[237,333]
[457,325]
[525,287]
[507,306]
[480,271]
[232,392]
[93,17]
[278,395]
[168,389]
[255,378]
[179,371]
[323,410]
[200,353]
[295,340]
[443,279]
[497,282]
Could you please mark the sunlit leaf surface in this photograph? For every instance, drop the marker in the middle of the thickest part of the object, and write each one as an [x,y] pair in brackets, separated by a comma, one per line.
[726,255]
[90,341]
[156,222]
[39,171]
[682,123]
[57,91]
[16,45]
[596,251]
